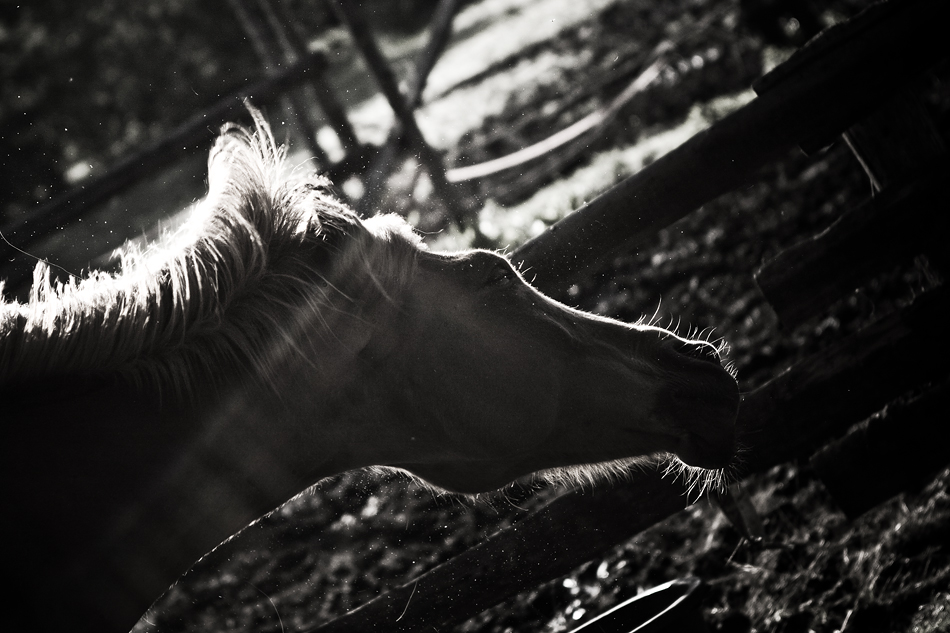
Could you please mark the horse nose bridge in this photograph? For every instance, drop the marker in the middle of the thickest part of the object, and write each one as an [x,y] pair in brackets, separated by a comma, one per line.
[589,333]
[622,338]
[699,350]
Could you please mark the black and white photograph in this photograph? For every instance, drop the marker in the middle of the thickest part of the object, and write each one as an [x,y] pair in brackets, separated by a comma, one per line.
[475,316]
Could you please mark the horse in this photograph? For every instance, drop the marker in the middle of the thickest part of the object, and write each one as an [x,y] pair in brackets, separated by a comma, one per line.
[278,339]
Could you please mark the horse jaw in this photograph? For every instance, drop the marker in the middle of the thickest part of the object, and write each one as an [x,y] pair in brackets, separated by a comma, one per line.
[495,381]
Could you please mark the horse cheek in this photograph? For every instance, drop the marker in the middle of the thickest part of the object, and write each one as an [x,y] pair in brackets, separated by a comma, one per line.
[500,406]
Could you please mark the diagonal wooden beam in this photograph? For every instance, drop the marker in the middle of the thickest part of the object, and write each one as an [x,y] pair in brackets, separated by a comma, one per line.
[815,96]
[359,28]
[439,31]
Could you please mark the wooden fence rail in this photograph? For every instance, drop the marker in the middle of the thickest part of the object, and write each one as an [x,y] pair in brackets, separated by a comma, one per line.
[910,436]
[832,86]
[817,94]
[889,229]
[295,43]
[192,134]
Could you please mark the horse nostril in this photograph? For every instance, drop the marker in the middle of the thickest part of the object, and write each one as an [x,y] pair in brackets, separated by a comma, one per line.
[700,351]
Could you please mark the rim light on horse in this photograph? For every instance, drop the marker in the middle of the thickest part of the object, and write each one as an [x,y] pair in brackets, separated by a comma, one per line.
[150,415]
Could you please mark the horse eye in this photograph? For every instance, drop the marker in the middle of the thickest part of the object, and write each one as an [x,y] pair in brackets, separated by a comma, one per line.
[501,275]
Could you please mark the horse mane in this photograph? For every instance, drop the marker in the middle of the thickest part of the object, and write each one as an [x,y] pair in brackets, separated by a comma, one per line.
[258,248]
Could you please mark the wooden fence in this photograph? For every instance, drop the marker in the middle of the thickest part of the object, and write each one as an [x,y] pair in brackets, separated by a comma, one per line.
[838,84]
[294,78]
[196,133]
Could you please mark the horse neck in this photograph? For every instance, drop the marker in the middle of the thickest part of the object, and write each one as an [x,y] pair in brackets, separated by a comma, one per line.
[142,477]
[140,323]
[119,356]
[125,489]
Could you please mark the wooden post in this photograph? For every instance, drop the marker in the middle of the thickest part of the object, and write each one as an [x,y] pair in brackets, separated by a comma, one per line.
[351,15]
[379,169]
[283,22]
[896,141]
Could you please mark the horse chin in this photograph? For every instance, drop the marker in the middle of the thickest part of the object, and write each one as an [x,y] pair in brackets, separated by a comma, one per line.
[708,437]
[710,454]
[704,413]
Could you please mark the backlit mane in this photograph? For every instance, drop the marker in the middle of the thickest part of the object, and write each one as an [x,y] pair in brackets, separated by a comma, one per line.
[259,245]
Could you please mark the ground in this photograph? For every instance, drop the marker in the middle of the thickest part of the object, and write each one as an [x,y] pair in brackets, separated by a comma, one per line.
[815,570]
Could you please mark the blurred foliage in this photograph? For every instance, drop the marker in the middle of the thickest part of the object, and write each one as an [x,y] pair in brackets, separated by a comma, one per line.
[92,81]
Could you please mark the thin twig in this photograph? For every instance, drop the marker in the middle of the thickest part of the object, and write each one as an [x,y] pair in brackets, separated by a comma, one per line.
[414,585]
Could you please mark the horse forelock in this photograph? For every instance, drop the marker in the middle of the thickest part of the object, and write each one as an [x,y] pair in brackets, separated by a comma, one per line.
[257,262]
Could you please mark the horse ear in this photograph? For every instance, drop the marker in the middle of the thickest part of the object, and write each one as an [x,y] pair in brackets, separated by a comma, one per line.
[387,225]
[233,163]
[245,157]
